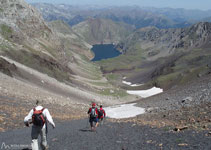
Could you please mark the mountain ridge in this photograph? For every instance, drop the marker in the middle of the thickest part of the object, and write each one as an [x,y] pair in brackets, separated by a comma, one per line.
[96,31]
[133,15]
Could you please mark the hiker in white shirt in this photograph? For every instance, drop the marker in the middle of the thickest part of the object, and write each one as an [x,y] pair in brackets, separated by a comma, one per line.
[39,116]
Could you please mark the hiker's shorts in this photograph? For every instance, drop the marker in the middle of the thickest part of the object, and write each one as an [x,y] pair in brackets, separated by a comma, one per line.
[36,131]
[93,119]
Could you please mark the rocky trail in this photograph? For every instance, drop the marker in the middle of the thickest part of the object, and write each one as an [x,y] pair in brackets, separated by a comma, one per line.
[76,135]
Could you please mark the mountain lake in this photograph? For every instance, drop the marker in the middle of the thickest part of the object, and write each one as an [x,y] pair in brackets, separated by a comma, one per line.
[104,51]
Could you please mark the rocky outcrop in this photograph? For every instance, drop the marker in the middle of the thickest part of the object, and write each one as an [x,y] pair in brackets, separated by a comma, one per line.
[7,68]
[164,42]
[27,38]
[23,18]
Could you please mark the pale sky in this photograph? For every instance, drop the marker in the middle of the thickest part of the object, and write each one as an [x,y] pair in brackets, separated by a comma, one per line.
[188,4]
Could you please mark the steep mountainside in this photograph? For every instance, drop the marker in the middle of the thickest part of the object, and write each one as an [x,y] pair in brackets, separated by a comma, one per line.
[47,61]
[154,40]
[96,31]
[25,34]
[163,57]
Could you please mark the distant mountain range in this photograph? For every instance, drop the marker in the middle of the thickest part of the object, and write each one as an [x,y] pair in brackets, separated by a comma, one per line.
[180,14]
[133,15]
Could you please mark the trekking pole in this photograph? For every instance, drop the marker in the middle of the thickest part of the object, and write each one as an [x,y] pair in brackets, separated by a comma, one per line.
[87,125]
[105,118]
[46,129]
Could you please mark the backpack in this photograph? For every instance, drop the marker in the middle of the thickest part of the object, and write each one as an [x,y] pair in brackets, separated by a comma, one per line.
[93,113]
[100,113]
[37,118]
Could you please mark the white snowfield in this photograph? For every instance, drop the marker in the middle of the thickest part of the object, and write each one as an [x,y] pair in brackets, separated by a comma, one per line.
[130,84]
[127,83]
[134,85]
[146,93]
[123,111]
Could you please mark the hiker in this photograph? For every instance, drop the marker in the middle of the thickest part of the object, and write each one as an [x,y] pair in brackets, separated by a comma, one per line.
[101,114]
[39,116]
[93,116]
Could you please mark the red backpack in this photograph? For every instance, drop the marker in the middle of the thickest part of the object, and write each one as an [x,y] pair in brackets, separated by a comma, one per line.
[37,118]
[100,113]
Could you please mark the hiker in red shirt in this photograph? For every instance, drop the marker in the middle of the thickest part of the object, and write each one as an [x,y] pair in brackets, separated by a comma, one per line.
[93,116]
[101,114]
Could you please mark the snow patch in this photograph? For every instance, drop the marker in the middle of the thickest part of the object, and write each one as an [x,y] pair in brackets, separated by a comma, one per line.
[134,85]
[146,93]
[125,82]
[124,111]
[130,84]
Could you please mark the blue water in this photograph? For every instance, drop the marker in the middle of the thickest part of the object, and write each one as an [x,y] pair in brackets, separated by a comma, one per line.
[104,51]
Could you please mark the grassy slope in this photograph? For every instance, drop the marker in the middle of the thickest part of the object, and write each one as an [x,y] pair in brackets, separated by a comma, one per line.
[185,68]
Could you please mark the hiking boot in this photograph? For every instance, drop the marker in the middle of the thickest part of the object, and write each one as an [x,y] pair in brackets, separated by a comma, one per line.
[45,147]
[93,129]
